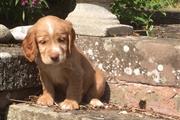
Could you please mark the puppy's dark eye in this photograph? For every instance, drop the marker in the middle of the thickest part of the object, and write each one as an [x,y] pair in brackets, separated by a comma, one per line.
[61,40]
[42,42]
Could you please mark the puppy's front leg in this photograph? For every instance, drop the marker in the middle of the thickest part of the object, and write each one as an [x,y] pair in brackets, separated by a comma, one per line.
[73,95]
[47,98]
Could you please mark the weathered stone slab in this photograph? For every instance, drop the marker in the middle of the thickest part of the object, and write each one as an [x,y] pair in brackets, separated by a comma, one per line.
[122,94]
[136,59]
[164,100]
[5,34]
[27,112]
[167,31]
[15,71]
[94,20]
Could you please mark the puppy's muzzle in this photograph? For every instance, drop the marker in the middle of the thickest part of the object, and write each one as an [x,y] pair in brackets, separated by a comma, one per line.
[55,57]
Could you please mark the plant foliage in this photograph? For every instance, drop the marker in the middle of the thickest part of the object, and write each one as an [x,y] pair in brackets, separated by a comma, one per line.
[139,12]
[21,11]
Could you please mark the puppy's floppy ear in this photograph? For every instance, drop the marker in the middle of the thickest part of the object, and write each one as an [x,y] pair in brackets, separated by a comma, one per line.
[72,37]
[29,46]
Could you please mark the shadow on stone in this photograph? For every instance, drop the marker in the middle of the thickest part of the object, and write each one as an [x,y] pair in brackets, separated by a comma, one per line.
[7,97]
[107,94]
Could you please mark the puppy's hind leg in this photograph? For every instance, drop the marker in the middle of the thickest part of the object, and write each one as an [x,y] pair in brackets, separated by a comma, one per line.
[97,90]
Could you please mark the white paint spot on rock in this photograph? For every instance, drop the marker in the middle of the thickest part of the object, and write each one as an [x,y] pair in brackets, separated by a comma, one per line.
[108,46]
[174,90]
[117,60]
[137,71]
[150,91]
[90,52]
[92,57]
[5,55]
[160,67]
[174,72]
[126,48]
[143,72]
[128,71]
[134,49]
[155,75]
[96,43]
[136,62]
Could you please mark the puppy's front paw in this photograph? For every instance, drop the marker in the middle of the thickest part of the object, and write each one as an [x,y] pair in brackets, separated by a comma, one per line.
[69,105]
[96,103]
[45,100]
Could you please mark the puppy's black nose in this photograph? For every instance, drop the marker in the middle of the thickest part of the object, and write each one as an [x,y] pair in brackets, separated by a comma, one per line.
[55,57]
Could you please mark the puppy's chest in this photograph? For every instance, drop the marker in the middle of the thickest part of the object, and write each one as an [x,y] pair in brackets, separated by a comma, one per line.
[57,75]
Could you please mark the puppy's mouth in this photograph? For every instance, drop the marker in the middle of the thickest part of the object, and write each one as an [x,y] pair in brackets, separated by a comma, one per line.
[54,60]
[58,60]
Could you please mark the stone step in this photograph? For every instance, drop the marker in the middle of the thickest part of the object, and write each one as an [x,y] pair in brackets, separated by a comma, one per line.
[164,100]
[29,112]
[125,94]
[131,95]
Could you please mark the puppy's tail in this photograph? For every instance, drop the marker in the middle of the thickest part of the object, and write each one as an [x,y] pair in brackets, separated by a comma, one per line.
[100,82]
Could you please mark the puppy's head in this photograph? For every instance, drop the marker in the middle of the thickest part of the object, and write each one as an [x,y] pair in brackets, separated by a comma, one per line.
[51,39]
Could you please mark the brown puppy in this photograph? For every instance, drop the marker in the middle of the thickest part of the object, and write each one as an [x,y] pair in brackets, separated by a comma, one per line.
[50,43]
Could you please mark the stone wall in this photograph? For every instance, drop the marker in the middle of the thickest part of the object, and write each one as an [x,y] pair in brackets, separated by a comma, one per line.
[136,68]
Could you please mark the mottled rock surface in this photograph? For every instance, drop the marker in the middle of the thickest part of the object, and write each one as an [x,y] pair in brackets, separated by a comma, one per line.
[132,59]
[136,59]
[15,71]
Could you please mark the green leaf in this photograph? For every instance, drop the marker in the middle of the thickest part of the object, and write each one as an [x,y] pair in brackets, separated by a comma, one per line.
[164,13]
[151,28]
[16,2]
[46,4]
[140,19]
[23,15]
